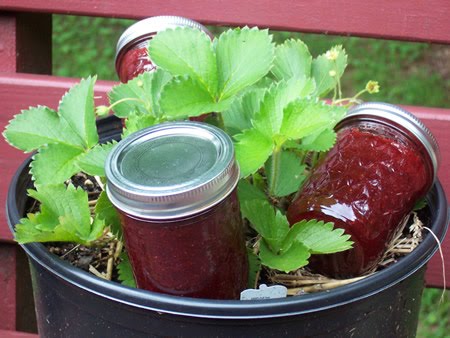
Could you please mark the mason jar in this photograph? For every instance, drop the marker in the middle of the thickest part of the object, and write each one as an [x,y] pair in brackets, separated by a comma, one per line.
[383,162]
[132,58]
[174,186]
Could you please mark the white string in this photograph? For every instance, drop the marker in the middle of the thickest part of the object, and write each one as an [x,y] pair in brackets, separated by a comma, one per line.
[442,260]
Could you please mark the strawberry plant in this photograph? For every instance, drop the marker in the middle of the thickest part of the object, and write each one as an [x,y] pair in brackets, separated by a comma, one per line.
[268,98]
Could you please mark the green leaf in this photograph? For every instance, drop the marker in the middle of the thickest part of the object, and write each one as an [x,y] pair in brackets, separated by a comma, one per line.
[82,234]
[27,232]
[252,151]
[137,95]
[320,237]
[185,97]
[267,221]
[136,122]
[244,56]
[292,259]
[249,192]
[159,79]
[60,138]
[37,127]
[125,271]
[77,108]
[186,51]
[292,59]
[420,204]
[306,117]
[105,210]
[97,228]
[288,176]
[51,207]
[254,267]
[140,95]
[55,163]
[322,141]
[240,114]
[269,118]
[64,216]
[308,88]
[67,202]
[323,65]
[259,181]
[93,161]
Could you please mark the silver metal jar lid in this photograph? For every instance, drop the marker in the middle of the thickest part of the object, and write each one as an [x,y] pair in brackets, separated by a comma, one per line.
[171,170]
[401,119]
[155,24]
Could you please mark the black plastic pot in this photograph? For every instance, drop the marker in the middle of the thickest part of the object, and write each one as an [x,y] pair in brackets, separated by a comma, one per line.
[73,303]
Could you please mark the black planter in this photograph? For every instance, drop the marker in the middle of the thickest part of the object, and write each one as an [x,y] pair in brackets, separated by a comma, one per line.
[73,303]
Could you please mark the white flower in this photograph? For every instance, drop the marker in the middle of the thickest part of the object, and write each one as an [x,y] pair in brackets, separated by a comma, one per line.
[332,54]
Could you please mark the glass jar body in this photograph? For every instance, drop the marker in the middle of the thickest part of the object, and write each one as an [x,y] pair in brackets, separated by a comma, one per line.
[133,60]
[366,185]
[201,256]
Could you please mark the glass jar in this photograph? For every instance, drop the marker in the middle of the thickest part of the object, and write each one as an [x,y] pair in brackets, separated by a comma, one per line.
[383,161]
[174,186]
[131,51]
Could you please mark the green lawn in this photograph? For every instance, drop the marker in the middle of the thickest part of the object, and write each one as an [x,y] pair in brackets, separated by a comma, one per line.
[409,73]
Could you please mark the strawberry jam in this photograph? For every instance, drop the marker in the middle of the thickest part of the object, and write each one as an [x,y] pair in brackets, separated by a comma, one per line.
[132,58]
[135,61]
[202,256]
[174,186]
[367,184]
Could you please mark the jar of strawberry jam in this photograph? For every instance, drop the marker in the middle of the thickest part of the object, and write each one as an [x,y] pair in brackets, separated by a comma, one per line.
[383,161]
[131,51]
[174,186]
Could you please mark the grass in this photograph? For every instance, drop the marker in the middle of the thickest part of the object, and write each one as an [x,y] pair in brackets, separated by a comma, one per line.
[434,320]
[85,46]
[406,71]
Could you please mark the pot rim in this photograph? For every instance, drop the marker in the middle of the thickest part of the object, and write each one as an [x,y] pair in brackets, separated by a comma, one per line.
[235,309]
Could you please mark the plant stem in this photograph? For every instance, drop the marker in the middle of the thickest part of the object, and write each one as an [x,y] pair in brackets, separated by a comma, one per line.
[339,87]
[275,169]
[323,286]
[124,100]
[71,250]
[110,263]
[350,99]
[220,121]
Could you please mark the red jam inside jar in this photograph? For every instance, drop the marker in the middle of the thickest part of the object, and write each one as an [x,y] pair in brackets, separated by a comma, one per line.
[200,256]
[133,62]
[132,57]
[174,186]
[367,183]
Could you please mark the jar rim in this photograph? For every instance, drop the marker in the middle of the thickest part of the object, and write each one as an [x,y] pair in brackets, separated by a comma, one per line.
[403,120]
[152,25]
[171,170]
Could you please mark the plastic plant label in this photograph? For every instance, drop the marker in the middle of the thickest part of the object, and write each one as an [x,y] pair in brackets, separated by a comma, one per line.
[264,292]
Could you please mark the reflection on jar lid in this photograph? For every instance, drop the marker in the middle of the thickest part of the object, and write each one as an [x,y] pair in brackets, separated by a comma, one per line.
[171,170]
[144,28]
[399,118]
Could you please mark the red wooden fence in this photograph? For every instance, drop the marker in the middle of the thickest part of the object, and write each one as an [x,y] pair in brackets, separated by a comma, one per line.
[399,19]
